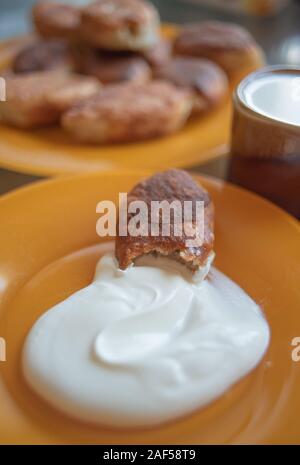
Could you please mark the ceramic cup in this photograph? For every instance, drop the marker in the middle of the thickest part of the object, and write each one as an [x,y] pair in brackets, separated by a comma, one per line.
[265,142]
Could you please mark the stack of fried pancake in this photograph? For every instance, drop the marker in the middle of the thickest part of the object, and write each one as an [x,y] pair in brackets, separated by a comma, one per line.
[105,73]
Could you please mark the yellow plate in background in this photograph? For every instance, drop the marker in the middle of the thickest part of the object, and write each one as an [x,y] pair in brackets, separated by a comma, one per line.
[48,250]
[50,151]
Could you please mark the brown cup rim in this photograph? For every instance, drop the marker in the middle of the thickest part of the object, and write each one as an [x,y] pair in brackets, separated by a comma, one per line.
[239,97]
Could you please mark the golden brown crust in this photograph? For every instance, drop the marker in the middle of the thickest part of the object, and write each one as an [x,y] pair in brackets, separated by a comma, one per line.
[26,104]
[205,79]
[170,185]
[111,67]
[120,24]
[43,55]
[129,112]
[54,19]
[38,99]
[229,45]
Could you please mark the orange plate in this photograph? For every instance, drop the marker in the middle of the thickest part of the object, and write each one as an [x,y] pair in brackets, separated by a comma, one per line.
[48,250]
[50,151]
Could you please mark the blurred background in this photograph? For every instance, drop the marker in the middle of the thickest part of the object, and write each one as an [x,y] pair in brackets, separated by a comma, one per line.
[274,24]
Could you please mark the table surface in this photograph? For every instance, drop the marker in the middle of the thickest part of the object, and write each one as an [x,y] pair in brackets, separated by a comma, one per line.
[278,35]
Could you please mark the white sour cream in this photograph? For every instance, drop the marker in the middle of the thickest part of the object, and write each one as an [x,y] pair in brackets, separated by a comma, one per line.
[144,346]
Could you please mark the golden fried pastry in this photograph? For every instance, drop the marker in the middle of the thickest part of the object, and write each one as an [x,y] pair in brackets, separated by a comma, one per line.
[53,19]
[229,45]
[206,80]
[129,112]
[120,24]
[111,67]
[171,185]
[43,55]
[27,104]
[159,53]
[77,88]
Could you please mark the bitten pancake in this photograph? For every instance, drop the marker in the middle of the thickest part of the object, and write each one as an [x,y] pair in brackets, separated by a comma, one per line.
[43,55]
[229,45]
[169,186]
[129,112]
[54,19]
[111,67]
[77,88]
[27,105]
[205,79]
[120,24]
